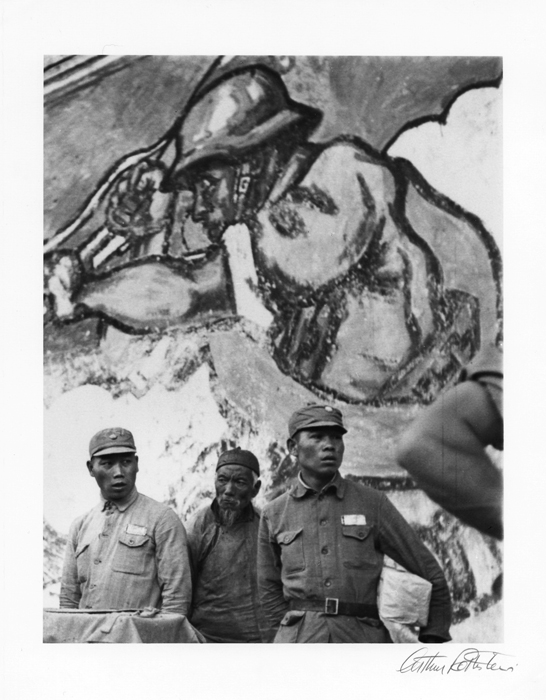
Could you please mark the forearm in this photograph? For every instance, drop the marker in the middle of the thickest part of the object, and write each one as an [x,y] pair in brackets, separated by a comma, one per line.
[444,451]
[398,540]
[467,485]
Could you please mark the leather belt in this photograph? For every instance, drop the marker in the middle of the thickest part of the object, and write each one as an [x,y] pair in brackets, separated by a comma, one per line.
[334,606]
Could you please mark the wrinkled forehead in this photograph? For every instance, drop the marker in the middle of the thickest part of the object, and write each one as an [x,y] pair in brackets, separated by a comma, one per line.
[235,470]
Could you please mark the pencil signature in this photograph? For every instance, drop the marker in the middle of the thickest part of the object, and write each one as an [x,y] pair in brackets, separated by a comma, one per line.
[469,659]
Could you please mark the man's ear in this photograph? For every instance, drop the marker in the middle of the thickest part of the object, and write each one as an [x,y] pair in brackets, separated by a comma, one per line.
[257,486]
[90,467]
[136,458]
[292,447]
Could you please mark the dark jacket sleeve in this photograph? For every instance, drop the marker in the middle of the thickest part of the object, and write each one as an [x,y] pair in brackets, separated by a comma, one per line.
[270,587]
[399,541]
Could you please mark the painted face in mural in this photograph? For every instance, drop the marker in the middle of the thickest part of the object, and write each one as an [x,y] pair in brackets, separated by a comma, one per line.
[213,187]
[115,474]
[235,488]
[319,452]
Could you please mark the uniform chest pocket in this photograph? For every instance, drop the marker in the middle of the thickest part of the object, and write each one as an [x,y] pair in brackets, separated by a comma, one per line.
[133,552]
[357,546]
[291,542]
[82,561]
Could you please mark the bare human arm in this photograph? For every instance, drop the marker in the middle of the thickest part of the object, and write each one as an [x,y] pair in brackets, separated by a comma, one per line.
[444,450]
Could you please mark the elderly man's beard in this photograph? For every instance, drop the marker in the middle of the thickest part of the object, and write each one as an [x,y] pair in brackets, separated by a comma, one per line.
[228,516]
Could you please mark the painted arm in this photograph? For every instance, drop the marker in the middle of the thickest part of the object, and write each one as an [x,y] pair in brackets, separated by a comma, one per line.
[131,217]
[444,450]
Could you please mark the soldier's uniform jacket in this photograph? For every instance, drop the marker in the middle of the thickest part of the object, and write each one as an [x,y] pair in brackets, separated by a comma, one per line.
[133,555]
[331,545]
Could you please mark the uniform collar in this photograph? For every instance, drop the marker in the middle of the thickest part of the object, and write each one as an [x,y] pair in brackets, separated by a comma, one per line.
[124,504]
[301,489]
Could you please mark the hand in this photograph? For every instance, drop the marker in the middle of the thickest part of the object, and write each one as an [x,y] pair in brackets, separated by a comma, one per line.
[136,208]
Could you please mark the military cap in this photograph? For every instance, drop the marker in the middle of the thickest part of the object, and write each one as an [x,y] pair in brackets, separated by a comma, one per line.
[315,416]
[111,441]
[239,456]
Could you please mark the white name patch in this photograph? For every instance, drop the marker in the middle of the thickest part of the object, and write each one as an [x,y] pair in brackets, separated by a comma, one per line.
[353,519]
[135,529]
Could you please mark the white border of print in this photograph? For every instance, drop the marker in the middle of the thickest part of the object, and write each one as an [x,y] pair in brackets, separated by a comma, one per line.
[31,29]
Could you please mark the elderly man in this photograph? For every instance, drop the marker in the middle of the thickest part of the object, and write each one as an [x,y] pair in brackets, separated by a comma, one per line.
[321,547]
[223,537]
[129,552]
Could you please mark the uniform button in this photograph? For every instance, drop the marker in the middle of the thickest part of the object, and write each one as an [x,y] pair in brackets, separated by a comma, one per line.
[324,521]
[324,550]
[287,539]
[327,583]
[131,541]
[360,533]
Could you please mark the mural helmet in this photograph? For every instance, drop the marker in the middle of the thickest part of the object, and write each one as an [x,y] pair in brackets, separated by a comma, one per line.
[235,114]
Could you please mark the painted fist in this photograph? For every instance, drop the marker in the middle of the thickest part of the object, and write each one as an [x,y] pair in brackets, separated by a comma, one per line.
[136,208]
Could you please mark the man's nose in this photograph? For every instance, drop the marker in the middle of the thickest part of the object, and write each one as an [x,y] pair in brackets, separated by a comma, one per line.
[117,470]
[199,207]
[229,487]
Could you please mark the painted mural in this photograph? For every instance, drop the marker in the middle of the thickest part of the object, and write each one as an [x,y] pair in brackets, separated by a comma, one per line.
[228,238]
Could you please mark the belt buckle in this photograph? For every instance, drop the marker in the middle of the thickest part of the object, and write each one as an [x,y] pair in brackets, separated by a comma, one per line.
[331,606]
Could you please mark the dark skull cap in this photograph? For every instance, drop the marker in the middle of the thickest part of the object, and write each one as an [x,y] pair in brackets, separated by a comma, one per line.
[315,416]
[111,441]
[241,457]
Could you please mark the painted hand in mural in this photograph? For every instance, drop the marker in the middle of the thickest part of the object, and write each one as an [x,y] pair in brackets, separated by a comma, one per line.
[347,247]
[136,209]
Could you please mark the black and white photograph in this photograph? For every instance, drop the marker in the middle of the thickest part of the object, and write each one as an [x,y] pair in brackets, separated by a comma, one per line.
[309,251]
[266,372]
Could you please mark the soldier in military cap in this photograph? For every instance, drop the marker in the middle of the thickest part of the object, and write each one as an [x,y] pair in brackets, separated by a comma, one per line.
[129,552]
[237,212]
[223,537]
[321,547]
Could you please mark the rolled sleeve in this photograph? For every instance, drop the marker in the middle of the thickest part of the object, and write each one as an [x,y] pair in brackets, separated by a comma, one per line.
[173,564]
